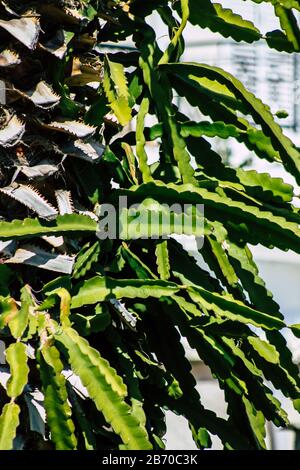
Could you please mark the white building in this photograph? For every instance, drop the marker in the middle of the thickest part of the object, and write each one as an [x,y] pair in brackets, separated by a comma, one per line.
[269,74]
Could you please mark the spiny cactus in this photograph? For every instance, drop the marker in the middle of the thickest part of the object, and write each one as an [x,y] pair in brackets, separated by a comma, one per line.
[93,325]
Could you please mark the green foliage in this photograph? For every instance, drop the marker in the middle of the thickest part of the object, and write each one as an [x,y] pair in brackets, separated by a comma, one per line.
[99,289]
[222,20]
[34,227]
[17,359]
[57,407]
[103,343]
[9,421]
[116,90]
[105,388]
